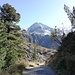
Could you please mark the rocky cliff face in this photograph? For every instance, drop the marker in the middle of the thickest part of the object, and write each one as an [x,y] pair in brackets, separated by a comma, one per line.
[33,51]
[64,61]
[26,36]
[38,53]
[44,41]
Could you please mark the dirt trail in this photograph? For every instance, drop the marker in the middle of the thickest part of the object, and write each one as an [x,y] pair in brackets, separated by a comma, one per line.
[41,70]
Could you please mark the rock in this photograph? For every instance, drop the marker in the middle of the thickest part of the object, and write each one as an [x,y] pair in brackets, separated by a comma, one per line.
[42,54]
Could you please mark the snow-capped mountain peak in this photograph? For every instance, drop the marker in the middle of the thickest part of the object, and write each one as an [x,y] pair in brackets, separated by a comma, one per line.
[39,28]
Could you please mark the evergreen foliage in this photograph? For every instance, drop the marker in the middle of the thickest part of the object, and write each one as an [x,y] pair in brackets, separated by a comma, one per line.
[3,44]
[11,49]
[56,36]
[35,53]
[63,62]
[9,14]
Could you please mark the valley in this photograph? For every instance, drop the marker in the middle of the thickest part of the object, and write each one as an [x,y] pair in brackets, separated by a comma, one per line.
[37,50]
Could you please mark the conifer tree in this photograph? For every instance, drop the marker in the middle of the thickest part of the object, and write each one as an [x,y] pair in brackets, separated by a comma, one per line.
[3,44]
[10,36]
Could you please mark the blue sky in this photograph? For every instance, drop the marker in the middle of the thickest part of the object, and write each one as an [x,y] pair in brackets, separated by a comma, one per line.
[49,12]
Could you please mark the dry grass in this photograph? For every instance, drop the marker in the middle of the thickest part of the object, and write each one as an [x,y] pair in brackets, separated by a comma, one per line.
[35,64]
[22,62]
[16,69]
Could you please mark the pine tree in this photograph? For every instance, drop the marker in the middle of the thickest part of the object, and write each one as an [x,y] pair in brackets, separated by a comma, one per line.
[8,13]
[3,44]
[56,36]
[10,36]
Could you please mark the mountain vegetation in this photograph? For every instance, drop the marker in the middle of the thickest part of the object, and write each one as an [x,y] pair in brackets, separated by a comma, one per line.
[11,49]
[63,62]
[56,36]
[16,51]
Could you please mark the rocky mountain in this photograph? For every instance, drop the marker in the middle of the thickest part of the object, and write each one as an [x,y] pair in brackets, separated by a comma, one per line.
[26,36]
[39,28]
[34,51]
[38,53]
[44,41]
[39,34]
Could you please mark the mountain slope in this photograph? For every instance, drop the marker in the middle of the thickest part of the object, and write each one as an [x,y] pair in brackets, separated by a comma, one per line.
[64,61]
[38,53]
[26,36]
[44,41]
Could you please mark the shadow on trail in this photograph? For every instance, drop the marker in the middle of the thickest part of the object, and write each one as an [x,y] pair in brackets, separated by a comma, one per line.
[41,70]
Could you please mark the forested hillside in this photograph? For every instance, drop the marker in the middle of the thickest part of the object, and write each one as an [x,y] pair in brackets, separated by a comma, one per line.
[63,62]
[11,49]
